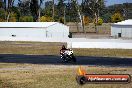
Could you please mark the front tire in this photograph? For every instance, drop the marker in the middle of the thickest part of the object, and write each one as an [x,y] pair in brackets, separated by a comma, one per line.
[65,59]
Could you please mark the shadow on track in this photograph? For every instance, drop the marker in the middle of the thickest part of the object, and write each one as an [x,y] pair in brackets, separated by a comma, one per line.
[48,59]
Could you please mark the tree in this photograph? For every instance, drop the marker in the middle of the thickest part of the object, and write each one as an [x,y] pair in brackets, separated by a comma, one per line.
[2,15]
[39,13]
[124,9]
[71,12]
[53,10]
[86,20]
[79,13]
[16,11]
[9,15]
[117,17]
[93,8]
[1,4]
[47,11]
[61,6]
[5,5]
[12,17]
[35,6]
[10,4]
[107,17]
[24,7]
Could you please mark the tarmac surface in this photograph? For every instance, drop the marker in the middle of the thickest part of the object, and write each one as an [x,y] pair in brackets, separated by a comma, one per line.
[56,60]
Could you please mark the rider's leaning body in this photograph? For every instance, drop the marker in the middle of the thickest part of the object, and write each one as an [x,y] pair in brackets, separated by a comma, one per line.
[63,49]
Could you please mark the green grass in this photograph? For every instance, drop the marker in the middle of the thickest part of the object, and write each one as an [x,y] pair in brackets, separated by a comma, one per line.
[55,76]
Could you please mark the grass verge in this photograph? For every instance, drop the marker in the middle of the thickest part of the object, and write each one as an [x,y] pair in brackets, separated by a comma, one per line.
[104,52]
[39,48]
[54,76]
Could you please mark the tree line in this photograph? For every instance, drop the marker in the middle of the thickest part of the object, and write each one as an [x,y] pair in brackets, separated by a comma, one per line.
[64,11]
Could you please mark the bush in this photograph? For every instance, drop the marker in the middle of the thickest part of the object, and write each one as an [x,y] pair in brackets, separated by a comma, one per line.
[86,20]
[61,20]
[100,21]
[2,20]
[26,19]
[46,19]
[12,17]
[117,17]
[3,14]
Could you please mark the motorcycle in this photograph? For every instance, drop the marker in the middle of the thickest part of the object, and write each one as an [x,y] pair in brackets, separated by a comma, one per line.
[67,55]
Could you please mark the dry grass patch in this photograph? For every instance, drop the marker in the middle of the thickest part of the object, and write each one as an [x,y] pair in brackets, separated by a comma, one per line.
[56,76]
[104,52]
[30,48]
[39,48]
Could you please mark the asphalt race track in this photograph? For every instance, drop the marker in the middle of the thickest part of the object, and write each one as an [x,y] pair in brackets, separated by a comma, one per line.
[56,60]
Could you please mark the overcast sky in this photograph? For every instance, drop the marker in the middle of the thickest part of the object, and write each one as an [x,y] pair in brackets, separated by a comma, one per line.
[108,2]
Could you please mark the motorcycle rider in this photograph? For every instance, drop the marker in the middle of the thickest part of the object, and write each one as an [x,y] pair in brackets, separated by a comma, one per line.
[63,49]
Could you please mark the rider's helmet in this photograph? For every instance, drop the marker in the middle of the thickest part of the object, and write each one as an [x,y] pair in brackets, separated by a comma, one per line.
[63,47]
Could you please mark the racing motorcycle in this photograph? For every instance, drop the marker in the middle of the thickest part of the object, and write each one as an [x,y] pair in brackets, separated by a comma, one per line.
[67,55]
